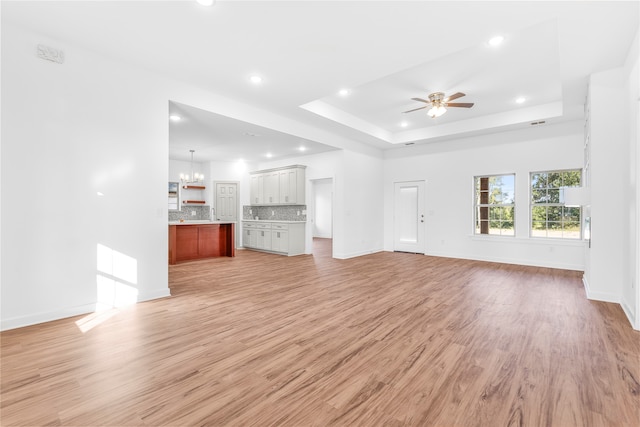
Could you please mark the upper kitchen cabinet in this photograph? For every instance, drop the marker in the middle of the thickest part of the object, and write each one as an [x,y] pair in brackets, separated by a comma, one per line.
[271,188]
[256,191]
[279,186]
[291,183]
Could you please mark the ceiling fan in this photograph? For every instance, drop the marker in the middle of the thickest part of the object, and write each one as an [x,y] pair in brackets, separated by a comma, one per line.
[439,103]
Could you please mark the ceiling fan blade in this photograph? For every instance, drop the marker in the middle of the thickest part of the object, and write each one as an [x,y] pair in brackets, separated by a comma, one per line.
[460,104]
[454,96]
[421,100]
[415,109]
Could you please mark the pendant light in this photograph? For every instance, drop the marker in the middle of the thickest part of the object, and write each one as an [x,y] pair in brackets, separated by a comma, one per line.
[194,177]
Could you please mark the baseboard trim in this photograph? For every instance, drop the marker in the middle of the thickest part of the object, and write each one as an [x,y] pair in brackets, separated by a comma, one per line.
[599,296]
[355,254]
[148,296]
[630,316]
[50,316]
[559,266]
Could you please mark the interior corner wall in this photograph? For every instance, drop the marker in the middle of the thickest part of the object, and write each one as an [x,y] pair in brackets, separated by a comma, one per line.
[84,146]
[630,292]
[609,263]
[363,217]
[449,167]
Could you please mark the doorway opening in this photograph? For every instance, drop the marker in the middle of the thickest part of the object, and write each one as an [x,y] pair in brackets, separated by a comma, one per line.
[321,217]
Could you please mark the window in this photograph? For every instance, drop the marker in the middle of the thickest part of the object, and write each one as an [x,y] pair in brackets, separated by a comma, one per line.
[549,216]
[495,204]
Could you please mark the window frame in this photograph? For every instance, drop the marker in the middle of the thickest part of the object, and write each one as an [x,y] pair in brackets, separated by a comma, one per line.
[478,206]
[560,204]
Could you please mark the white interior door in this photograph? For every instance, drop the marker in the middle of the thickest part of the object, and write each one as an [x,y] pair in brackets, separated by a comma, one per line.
[226,201]
[408,219]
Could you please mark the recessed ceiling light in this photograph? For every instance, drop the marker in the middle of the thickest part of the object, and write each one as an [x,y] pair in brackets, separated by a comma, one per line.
[206,2]
[302,148]
[344,92]
[520,99]
[404,124]
[175,118]
[255,79]
[495,41]
[269,155]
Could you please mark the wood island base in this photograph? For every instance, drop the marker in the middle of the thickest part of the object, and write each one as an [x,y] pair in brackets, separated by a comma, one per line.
[198,241]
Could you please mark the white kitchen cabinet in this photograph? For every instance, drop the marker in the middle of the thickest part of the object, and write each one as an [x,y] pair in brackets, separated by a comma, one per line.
[280,186]
[280,238]
[292,186]
[257,189]
[277,237]
[271,188]
[263,232]
[249,235]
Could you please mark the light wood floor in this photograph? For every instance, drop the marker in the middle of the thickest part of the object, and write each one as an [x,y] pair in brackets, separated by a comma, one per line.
[387,339]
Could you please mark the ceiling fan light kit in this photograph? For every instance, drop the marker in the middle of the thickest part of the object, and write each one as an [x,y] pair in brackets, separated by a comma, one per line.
[436,111]
[438,103]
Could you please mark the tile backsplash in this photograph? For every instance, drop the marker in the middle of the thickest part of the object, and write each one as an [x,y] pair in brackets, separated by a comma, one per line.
[202,213]
[275,213]
[272,213]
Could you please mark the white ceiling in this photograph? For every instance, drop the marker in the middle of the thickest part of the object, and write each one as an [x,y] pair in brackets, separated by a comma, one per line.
[216,137]
[385,52]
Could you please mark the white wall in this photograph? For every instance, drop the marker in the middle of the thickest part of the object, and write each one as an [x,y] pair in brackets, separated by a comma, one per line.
[630,292]
[613,264]
[449,167]
[608,264]
[363,218]
[70,131]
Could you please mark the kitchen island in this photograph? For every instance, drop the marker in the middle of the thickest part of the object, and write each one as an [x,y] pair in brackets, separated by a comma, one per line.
[191,240]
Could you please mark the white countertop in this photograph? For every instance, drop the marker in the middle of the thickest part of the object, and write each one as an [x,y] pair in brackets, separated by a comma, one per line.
[274,221]
[200,222]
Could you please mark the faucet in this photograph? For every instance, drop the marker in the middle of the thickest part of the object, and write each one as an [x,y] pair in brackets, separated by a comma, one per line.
[213,213]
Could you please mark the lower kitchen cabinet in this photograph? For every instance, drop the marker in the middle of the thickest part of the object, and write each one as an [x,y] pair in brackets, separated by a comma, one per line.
[263,239]
[281,238]
[279,241]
